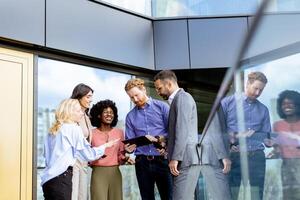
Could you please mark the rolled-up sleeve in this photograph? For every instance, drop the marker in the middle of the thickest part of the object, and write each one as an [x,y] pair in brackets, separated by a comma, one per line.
[83,149]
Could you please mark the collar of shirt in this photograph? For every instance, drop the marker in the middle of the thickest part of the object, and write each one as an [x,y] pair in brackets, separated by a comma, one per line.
[171,97]
[148,103]
[248,100]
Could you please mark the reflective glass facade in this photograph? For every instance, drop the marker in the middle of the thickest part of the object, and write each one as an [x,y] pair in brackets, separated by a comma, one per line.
[177,8]
[142,7]
[263,119]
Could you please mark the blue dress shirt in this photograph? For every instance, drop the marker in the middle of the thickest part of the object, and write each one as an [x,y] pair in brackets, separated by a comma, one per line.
[61,150]
[152,119]
[256,117]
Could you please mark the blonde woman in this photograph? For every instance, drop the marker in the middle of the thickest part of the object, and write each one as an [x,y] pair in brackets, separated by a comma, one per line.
[63,143]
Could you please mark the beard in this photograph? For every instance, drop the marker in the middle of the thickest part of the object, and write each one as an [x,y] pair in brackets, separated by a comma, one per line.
[141,103]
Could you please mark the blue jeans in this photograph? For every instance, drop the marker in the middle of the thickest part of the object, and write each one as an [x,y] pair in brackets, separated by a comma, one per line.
[256,167]
[150,170]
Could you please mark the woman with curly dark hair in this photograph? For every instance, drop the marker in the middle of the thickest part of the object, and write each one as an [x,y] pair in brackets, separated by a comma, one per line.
[288,140]
[106,182]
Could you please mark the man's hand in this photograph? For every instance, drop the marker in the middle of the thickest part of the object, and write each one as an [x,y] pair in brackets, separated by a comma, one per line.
[130,161]
[130,147]
[173,164]
[227,165]
[162,151]
[269,142]
[159,143]
[234,148]
[151,138]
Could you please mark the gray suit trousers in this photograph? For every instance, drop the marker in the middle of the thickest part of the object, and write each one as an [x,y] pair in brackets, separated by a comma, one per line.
[216,182]
[184,185]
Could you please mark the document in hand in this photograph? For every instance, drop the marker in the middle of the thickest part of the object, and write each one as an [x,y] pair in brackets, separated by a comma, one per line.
[139,141]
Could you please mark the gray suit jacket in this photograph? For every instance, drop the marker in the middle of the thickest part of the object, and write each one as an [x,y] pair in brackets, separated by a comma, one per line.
[183,130]
[215,145]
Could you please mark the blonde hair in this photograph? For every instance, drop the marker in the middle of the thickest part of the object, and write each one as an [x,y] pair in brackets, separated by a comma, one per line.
[63,114]
[136,82]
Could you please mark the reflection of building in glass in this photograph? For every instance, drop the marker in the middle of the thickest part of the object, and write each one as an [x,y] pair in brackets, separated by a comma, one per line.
[45,119]
[202,7]
[140,6]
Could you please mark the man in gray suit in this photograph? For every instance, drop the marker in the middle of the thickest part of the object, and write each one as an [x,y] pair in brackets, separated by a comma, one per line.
[215,163]
[183,152]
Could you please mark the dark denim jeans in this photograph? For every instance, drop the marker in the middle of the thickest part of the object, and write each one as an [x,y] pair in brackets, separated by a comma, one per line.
[59,187]
[256,167]
[151,170]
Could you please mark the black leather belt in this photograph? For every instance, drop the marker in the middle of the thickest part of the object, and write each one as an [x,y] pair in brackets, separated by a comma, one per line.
[249,153]
[151,157]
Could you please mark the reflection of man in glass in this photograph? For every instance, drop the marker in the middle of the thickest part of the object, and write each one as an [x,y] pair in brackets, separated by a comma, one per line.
[288,129]
[148,117]
[257,126]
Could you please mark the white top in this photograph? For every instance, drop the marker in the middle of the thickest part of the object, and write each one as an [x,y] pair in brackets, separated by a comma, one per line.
[61,150]
[171,97]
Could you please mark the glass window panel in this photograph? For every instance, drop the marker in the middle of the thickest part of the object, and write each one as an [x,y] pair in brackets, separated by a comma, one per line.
[281,178]
[56,80]
[264,135]
[176,8]
[263,126]
[139,6]
[173,8]
[284,6]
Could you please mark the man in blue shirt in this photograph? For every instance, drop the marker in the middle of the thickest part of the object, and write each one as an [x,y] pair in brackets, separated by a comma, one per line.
[148,118]
[256,133]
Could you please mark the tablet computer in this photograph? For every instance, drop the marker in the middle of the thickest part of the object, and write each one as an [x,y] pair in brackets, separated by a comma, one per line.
[139,141]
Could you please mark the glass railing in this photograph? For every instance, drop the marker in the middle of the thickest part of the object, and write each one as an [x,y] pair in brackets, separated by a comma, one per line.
[259,104]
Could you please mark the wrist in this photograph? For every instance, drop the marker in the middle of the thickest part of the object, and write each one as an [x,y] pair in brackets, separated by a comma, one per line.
[158,138]
[129,152]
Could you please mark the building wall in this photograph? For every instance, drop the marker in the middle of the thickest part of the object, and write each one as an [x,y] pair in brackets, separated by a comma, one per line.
[23,21]
[198,43]
[82,27]
[92,29]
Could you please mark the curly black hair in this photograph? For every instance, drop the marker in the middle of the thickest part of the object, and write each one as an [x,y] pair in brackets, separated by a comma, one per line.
[291,95]
[97,110]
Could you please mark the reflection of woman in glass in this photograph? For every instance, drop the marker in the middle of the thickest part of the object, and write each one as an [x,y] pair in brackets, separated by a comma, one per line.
[84,94]
[288,140]
[106,182]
